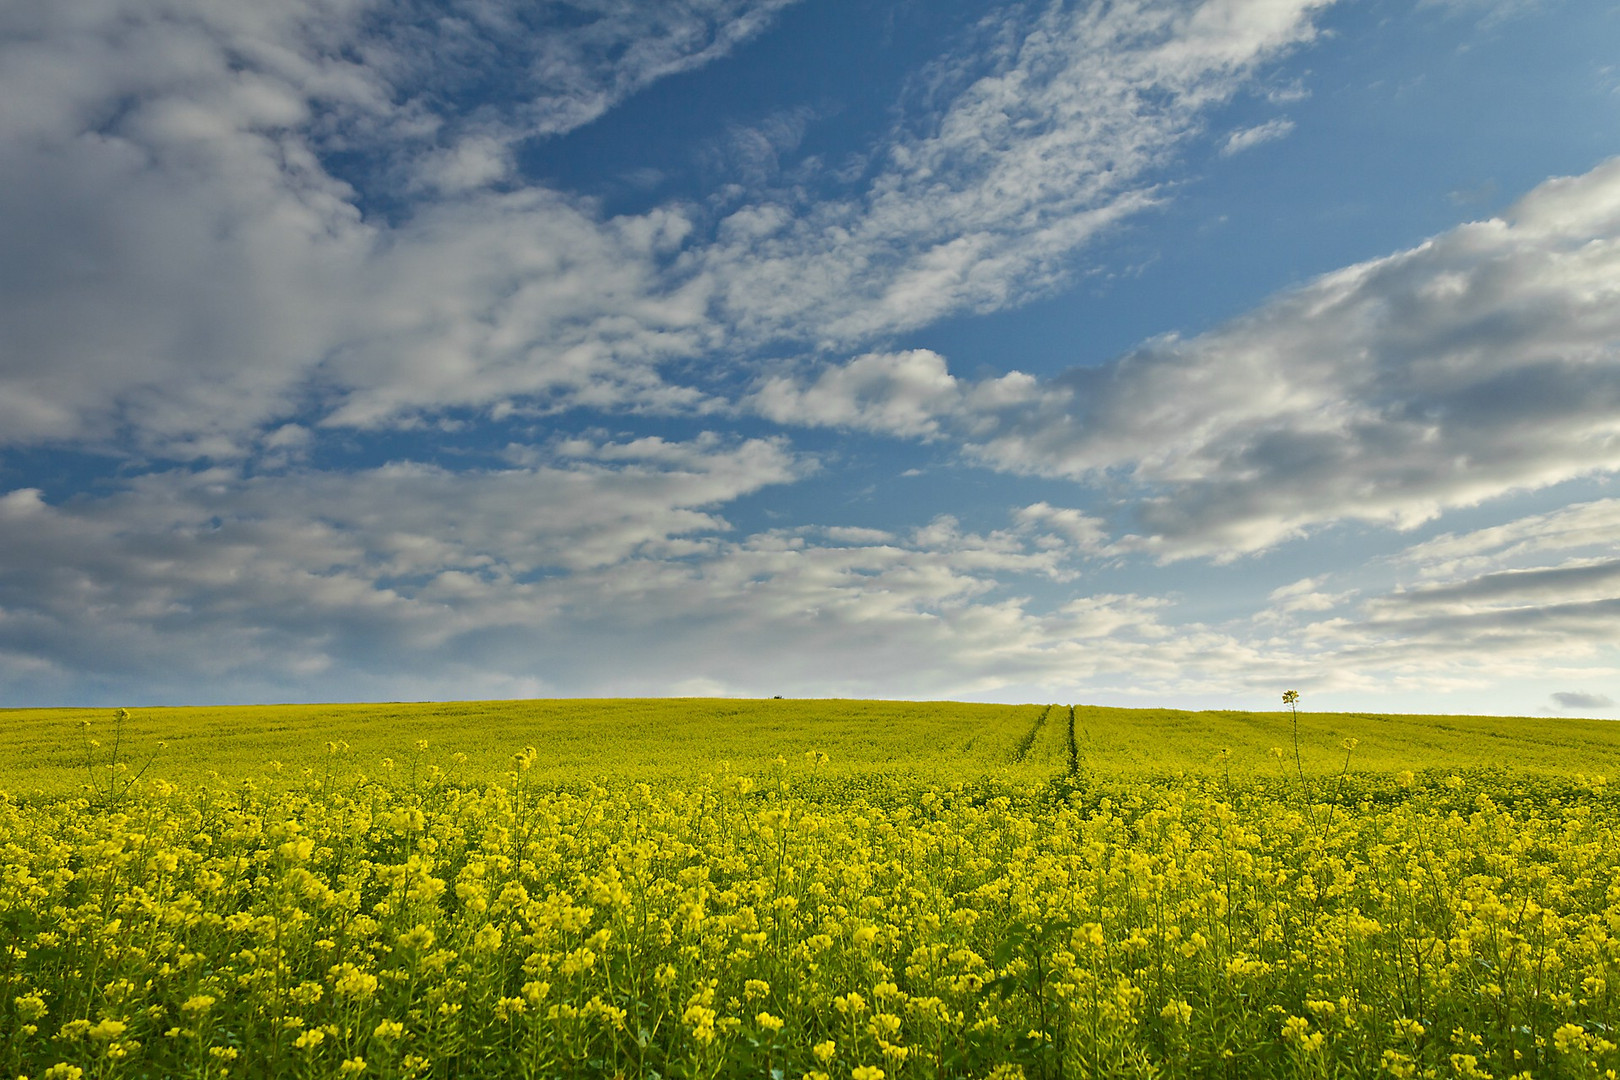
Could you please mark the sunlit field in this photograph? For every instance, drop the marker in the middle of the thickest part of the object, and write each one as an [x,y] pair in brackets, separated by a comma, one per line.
[782,889]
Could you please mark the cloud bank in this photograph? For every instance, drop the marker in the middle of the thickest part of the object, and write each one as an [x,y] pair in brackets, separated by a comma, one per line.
[236,237]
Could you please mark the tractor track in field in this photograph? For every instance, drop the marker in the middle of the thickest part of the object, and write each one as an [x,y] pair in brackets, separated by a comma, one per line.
[1074,747]
[1021,751]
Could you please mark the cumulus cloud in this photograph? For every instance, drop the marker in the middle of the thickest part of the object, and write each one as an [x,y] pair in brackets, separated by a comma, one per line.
[520,297]
[1064,524]
[1484,361]
[180,261]
[413,579]
[162,215]
[1305,596]
[780,614]
[193,262]
[1481,362]
[475,162]
[908,393]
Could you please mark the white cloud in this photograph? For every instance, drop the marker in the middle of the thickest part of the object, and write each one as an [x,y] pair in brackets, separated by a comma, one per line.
[1537,588]
[984,203]
[1492,13]
[413,580]
[1527,601]
[317,580]
[857,535]
[1081,530]
[981,203]
[177,260]
[1544,585]
[1243,139]
[474,162]
[179,263]
[222,573]
[1304,596]
[520,296]
[906,393]
[1484,361]
[162,215]
[588,56]
[1587,528]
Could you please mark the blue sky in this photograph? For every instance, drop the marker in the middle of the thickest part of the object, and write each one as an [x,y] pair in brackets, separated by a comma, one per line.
[1145,353]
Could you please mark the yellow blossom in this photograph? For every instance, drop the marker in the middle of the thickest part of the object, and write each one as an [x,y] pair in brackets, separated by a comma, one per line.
[107,1029]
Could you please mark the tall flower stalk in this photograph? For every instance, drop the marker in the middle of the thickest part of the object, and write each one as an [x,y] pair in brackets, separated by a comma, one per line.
[1291,699]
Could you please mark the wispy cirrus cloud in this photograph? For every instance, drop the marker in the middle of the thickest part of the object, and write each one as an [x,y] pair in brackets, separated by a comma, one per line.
[1244,138]
[983,200]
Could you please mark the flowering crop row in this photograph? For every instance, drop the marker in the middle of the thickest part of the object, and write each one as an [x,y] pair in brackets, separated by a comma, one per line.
[801,923]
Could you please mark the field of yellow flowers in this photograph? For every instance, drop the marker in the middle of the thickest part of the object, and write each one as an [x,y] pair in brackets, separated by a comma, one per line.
[1040,914]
